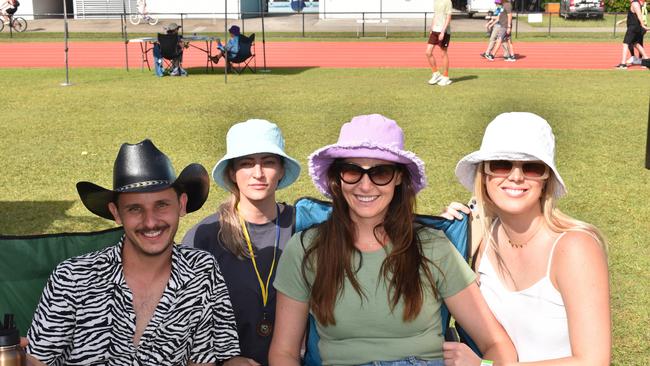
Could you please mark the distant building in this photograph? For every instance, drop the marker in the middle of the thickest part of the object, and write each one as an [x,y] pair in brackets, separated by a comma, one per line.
[167,8]
[369,9]
[171,9]
[88,9]
[292,6]
[31,9]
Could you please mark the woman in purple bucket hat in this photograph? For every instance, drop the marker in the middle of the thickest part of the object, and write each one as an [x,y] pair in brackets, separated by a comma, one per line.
[374,279]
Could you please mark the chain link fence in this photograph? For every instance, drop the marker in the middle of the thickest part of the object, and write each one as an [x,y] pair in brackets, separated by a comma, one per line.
[312,25]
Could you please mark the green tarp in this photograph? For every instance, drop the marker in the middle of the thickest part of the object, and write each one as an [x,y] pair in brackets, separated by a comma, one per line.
[27,261]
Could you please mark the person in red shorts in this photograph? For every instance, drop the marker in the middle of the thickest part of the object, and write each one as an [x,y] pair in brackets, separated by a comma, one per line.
[439,36]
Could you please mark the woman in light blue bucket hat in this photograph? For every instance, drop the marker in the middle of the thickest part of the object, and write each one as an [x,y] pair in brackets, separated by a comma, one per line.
[248,232]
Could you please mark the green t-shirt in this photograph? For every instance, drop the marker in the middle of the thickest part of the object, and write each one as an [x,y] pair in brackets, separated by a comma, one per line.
[441,9]
[366,330]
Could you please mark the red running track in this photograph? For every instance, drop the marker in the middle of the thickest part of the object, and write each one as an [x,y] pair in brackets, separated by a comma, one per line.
[543,55]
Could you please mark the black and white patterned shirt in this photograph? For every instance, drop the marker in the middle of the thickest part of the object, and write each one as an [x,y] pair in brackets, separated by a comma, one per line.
[86,316]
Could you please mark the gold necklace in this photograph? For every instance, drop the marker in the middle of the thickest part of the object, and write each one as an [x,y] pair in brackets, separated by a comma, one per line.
[525,242]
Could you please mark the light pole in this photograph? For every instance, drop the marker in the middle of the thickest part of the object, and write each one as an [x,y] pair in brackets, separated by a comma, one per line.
[225,54]
[647,142]
[65,42]
[263,37]
[126,39]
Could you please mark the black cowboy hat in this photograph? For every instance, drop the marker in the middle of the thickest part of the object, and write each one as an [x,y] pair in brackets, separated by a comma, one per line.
[142,168]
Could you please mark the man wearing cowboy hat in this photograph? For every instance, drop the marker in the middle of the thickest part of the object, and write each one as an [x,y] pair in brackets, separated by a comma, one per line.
[143,301]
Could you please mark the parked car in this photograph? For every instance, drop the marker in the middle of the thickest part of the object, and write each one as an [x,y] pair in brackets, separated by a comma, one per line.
[479,6]
[582,8]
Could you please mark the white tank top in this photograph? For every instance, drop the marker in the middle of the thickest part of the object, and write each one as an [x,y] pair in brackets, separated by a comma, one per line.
[534,318]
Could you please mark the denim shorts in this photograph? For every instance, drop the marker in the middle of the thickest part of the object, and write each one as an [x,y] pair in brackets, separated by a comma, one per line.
[408,361]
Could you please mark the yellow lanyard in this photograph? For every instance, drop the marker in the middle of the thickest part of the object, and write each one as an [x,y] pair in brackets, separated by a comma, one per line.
[263,287]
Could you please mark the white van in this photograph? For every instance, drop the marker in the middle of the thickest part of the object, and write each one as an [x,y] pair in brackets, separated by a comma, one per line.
[479,6]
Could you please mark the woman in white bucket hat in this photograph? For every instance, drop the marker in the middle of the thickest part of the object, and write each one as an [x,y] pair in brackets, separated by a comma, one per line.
[543,273]
[249,231]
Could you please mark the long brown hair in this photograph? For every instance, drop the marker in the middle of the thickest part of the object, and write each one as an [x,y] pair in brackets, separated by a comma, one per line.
[332,252]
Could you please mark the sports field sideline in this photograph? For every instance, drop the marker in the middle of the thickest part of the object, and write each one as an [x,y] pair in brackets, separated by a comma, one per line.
[531,55]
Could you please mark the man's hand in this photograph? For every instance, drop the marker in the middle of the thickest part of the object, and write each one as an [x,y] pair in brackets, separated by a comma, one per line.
[441,36]
[31,360]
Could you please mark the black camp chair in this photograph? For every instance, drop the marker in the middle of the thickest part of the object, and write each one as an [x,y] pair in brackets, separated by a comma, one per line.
[170,49]
[245,56]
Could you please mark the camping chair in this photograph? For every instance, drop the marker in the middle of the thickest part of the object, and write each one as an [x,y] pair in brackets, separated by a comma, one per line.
[27,262]
[310,212]
[245,55]
[170,50]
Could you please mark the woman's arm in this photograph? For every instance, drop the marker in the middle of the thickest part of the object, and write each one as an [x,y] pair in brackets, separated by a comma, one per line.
[472,312]
[579,271]
[290,324]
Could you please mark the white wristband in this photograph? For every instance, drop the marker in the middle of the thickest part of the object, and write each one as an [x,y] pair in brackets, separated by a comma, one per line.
[487,363]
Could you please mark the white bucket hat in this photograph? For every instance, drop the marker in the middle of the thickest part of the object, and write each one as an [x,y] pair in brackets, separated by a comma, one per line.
[253,137]
[519,136]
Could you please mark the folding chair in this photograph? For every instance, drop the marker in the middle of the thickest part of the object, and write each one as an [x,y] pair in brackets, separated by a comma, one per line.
[169,50]
[245,55]
[27,262]
[310,212]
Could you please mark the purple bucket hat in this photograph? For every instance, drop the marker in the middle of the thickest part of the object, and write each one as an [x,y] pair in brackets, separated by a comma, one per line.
[371,136]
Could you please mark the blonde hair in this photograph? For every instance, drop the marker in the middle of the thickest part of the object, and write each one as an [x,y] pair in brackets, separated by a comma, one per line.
[554,219]
[230,231]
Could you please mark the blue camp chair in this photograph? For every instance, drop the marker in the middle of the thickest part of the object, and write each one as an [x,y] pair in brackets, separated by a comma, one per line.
[310,212]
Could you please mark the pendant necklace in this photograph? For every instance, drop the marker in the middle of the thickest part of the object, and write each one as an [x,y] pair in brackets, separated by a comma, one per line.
[524,242]
[264,326]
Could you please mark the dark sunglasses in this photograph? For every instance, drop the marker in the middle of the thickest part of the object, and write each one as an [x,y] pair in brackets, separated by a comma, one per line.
[379,174]
[530,169]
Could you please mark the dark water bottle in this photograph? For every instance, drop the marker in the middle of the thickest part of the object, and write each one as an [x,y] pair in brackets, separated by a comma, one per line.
[11,353]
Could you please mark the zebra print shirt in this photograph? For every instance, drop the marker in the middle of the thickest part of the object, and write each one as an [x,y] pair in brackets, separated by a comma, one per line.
[86,316]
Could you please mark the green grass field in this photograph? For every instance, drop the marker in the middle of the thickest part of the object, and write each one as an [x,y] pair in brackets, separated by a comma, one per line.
[54,136]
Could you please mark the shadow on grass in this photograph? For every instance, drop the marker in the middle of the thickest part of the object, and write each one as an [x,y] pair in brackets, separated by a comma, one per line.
[464,78]
[35,217]
[260,71]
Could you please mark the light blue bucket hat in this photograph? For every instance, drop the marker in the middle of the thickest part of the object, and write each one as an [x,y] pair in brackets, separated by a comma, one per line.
[255,136]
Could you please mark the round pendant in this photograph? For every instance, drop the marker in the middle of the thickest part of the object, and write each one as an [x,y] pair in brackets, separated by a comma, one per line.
[264,328]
